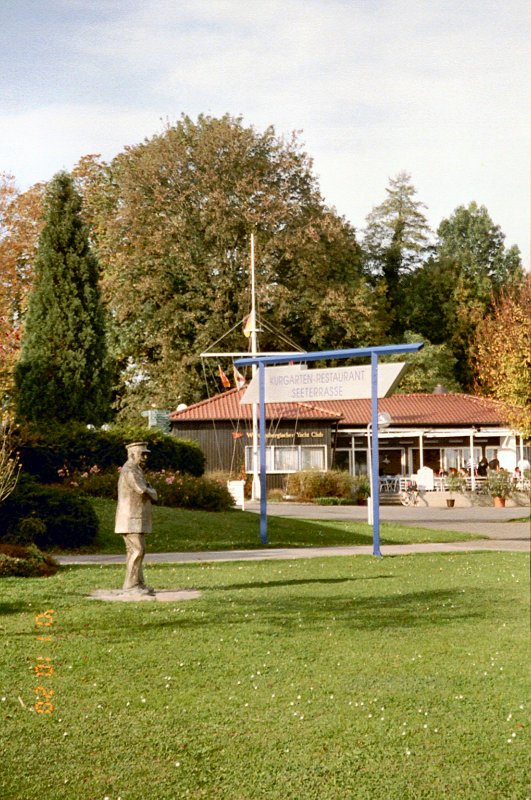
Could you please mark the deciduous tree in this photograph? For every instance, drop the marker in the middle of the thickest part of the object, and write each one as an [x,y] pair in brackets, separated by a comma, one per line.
[502,353]
[448,296]
[432,365]
[470,239]
[472,247]
[176,254]
[20,226]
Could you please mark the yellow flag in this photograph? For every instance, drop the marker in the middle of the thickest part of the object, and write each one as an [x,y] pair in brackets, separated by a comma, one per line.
[248,325]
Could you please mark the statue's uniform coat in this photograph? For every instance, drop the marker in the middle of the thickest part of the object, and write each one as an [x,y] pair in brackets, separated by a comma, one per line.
[133,513]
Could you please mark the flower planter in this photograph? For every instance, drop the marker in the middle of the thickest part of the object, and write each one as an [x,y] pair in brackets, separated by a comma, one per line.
[450,502]
[500,486]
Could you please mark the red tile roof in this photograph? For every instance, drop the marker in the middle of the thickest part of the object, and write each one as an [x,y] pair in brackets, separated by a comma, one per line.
[409,410]
[226,406]
[406,410]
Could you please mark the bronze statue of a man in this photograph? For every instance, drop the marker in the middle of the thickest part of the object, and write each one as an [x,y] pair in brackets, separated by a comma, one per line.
[133,515]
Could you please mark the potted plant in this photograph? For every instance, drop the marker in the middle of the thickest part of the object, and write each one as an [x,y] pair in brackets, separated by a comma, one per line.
[499,485]
[361,489]
[454,484]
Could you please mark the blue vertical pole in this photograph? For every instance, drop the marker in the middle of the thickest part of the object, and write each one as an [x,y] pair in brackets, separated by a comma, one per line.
[263,470]
[375,499]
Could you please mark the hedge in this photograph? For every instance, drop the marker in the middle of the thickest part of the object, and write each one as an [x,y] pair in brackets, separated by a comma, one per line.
[48,517]
[51,453]
[25,562]
[338,486]
[309,484]
[173,489]
[183,491]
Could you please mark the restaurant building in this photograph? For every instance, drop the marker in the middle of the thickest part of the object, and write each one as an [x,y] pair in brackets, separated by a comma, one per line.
[439,430]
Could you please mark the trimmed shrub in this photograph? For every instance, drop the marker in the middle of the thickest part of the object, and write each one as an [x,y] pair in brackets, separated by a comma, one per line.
[53,516]
[184,491]
[95,483]
[60,451]
[173,489]
[220,476]
[28,530]
[309,484]
[275,496]
[25,562]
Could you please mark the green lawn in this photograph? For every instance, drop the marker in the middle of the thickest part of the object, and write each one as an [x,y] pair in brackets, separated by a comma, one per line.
[319,679]
[177,530]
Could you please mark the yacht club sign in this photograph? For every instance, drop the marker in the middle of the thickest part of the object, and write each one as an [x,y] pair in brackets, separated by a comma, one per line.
[292,435]
[295,385]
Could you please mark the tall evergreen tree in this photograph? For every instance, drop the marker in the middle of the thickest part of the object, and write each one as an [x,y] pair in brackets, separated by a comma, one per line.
[395,242]
[63,372]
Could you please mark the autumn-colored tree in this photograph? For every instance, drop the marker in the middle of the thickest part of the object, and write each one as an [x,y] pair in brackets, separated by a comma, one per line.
[21,221]
[502,354]
[9,459]
[9,353]
[20,225]
[8,192]
[172,219]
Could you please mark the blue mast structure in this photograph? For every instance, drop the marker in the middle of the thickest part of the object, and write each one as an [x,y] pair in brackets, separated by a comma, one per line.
[322,355]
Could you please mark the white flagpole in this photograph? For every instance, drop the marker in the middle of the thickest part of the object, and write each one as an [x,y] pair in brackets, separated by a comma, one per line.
[255,492]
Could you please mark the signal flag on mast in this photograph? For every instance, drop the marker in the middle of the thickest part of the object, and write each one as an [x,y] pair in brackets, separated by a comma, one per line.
[248,325]
[223,378]
[239,380]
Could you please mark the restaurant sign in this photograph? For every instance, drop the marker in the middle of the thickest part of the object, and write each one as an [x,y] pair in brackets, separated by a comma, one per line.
[295,385]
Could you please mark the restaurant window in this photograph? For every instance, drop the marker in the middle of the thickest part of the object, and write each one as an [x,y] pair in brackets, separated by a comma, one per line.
[459,457]
[360,462]
[343,460]
[286,459]
[290,459]
[312,458]
[249,459]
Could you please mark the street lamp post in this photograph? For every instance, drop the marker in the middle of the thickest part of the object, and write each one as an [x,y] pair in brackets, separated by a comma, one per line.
[384,420]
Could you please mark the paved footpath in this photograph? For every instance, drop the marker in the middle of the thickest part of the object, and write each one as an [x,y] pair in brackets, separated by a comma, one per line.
[493,523]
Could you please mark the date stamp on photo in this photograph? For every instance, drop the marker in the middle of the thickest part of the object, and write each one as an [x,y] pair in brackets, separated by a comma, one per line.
[43,667]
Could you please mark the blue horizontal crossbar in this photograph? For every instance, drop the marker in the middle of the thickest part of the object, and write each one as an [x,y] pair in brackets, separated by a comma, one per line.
[323,355]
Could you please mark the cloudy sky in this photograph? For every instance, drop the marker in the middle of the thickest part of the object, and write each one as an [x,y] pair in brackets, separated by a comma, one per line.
[437,88]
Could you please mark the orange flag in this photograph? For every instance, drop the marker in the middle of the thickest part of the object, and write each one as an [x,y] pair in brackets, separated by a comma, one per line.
[223,378]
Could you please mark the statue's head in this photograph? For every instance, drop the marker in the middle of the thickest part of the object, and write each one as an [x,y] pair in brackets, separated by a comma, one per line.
[137,452]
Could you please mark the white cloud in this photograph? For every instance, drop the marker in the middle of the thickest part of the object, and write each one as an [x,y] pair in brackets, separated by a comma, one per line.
[436,88]
[40,142]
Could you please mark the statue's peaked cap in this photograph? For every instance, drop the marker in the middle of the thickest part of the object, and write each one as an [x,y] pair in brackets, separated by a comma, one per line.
[142,445]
